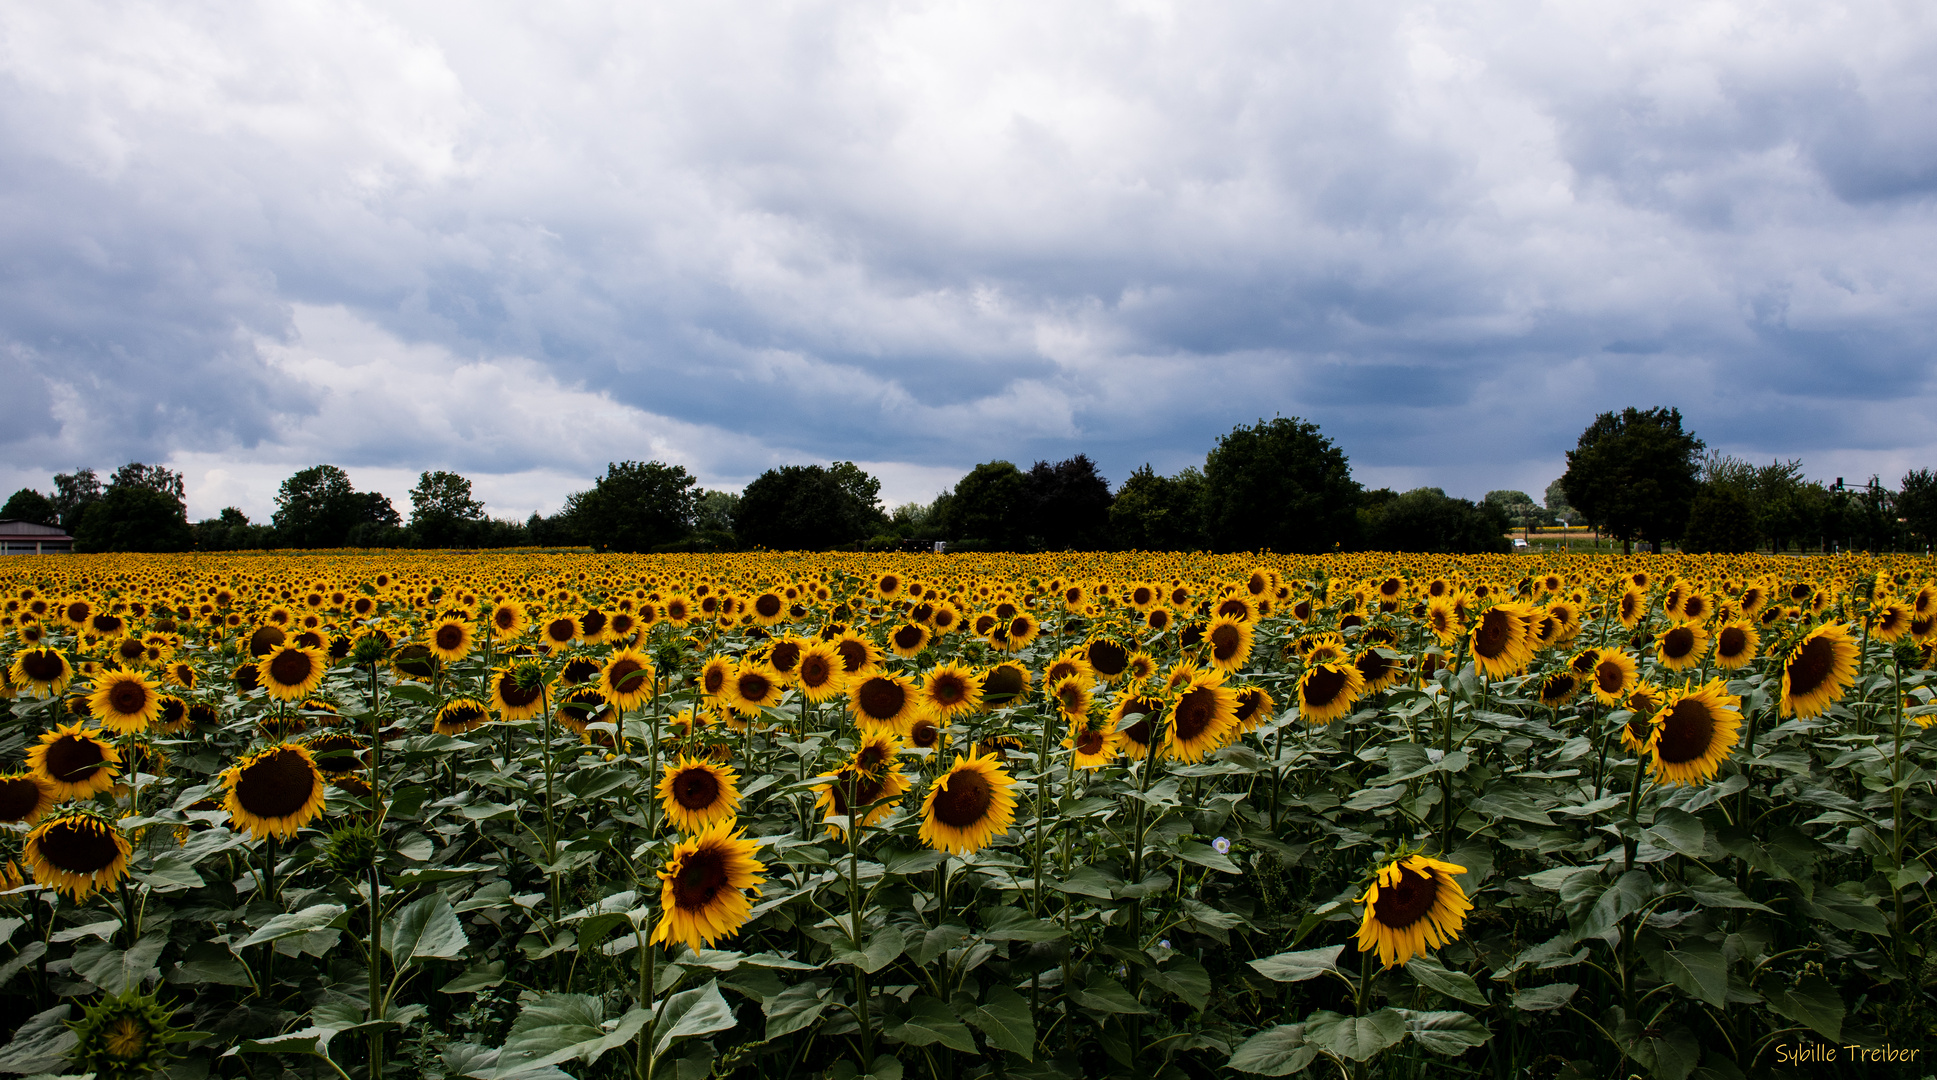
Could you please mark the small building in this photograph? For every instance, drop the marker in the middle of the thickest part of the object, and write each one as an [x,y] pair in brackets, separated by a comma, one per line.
[27,538]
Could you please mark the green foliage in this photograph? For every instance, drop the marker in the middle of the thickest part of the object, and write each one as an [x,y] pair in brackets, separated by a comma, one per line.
[1633,474]
[1279,485]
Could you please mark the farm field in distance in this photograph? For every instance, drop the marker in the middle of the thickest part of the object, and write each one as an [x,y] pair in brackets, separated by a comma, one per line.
[522,816]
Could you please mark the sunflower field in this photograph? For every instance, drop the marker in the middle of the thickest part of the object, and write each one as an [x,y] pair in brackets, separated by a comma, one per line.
[538,816]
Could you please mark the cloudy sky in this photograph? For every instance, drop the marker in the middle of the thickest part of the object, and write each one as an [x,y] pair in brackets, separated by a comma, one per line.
[522,240]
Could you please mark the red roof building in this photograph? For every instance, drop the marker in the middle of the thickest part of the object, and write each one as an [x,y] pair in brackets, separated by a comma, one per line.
[27,538]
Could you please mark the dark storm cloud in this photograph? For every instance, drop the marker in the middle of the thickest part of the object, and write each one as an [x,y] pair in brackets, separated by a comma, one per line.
[473,237]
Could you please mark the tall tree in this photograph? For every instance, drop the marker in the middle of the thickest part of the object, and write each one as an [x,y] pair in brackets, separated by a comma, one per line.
[1068,504]
[1917,505]
[1633,474]
[73,492]
[1279,484]
[30,505]
[442,511]
[635,506]
[987,508]
[318,507]
[1159,513]
[1428,519]
[807,508]
[143,509]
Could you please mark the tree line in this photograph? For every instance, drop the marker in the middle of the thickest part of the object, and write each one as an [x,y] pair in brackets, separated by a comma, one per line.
[1279,484]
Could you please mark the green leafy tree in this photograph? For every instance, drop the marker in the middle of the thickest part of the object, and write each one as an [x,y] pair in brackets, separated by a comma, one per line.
[1634,474]
[1427,519]
[988,507]
[1068,505]
[73,493]
[30,505]
[807,508]
[635,506]
[1917,504]
[1279,484]
[318,507]
[1159,513]
[142,510]
[231,530]
[442,511]
[1555,501]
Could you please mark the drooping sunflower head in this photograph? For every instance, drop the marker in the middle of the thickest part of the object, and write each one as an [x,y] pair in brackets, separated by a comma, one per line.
[124,702]
[1412,905]
[1005,682]
[274,792]
[337,753]
[703,890]
[1327,692]
[1558,688]
[78,852]
[1817,671]
[75,761]
[697,793]
[518,690]
[1255,707]
[459,715]
[42,672]
[967,807]
[1693,733]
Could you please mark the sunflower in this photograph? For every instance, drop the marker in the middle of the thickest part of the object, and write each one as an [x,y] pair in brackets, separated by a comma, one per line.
[171,716]
[127,1036]
[75,761]
[124,702]
[887,702]
[1326,692]
[1443,620]
[628,679]
[1892,622]
[580,707]
[1094,744]
[42,672]
[1631,608]
[1613,676]
[819,672]
[274,792]
[1107,659]
[872,774]
[1692,733]
[1379,669]
[753,687]
[1018,632]
[451,639]
[784,657]
[1130,719]
[458,716]
[1681,646]
[77,853]
[337,753]
[559,631]
[1502,639]
[1071,695]
[696,793]
[1158,619]
[182,674]
[928,733]
[950,690]
[24,797]
[1005,682]
[1817,671]
[594,626]
[290,672]
[505,620]
[1255,706]
[1072,662]
[1141,666]
[909,639]
[967,807]
[1736,644]
[1559,687]
[1412,904]
[713,677]
[703,898]
[1203,718]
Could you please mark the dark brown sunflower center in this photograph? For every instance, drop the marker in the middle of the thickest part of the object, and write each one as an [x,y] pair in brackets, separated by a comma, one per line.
[1061,669]
[1732,642]
[79,846]
[275,785]
[1226,640]
[700,878]
[696,789]
[561,630]
[78,612]
[71,759]
[1494,634]
[815,671]
[1323,686]
[578,669]
[515,696]
[19,796]
[128,697]
[460,715]
[853,654]
[265,640]
[450,637]
[1559,686]
[172,710]
[1407,900]
[1003,683]
[291,668]
[767,606]
[1810,667]
[1196,712]
[1249,703]
[948,689]
[908,637]
[1678,643]
[504,618]
[1373,666]
[42,665]
[881,699]
[130,649]
[1108,658]
[1609,677]
[965,802]
[1687,732]
[785,656]
[628,675]
[754,686]
[925,733]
